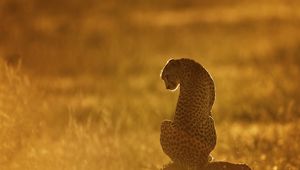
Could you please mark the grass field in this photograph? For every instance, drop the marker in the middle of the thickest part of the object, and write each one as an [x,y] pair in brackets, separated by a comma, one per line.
[80,86]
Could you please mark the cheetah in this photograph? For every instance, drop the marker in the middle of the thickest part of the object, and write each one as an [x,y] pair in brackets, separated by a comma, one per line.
[189,139]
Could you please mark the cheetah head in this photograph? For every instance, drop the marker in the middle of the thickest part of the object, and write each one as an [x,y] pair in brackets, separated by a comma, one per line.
[170,74]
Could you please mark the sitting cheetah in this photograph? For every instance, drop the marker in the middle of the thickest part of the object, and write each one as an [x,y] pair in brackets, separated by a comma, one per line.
[191,136]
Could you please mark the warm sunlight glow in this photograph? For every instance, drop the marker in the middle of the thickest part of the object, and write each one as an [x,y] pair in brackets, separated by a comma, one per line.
[80,86]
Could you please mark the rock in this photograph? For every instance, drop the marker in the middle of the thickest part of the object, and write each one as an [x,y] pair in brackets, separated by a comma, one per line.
[215,165]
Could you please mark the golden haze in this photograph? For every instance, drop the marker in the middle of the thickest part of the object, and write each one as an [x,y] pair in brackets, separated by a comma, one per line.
[80,86]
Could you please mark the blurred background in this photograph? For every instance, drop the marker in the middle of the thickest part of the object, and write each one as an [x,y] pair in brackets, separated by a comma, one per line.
[80,85]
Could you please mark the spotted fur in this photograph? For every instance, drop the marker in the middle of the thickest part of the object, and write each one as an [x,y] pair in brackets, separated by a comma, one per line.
[191,136]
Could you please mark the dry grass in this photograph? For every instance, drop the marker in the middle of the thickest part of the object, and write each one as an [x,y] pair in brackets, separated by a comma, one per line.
[88,94]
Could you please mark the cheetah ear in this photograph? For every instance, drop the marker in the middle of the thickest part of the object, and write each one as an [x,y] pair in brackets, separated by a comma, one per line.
[171,60]
[175,62]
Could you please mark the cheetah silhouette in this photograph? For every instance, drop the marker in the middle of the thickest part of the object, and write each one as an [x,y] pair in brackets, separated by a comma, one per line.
[189,139]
